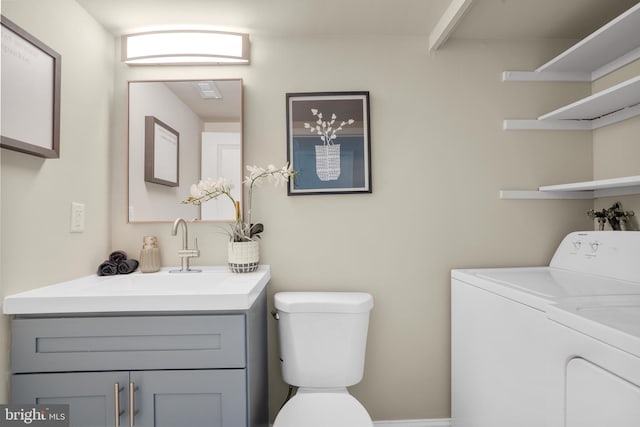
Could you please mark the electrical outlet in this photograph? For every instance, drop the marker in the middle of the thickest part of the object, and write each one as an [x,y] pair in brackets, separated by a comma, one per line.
[77,217]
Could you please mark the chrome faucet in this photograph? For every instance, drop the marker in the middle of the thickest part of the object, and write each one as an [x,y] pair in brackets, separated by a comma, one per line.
[185,253]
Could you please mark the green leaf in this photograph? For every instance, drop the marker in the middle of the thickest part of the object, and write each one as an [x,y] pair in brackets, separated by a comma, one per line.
[256,229]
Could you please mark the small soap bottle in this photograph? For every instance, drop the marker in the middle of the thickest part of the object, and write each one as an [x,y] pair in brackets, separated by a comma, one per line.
[150,255]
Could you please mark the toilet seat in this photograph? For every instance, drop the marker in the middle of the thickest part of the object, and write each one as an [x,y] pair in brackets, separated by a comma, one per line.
[323,409]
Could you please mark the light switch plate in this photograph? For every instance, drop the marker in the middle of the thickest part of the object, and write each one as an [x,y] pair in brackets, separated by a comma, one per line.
[77,217]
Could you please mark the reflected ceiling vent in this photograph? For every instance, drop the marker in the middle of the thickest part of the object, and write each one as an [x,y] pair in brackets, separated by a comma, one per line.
[208,89]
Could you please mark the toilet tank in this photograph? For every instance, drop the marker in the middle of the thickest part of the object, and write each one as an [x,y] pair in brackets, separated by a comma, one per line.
[323,336]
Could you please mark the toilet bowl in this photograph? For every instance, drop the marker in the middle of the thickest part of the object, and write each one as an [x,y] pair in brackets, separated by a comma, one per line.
[323,338]
[323,409]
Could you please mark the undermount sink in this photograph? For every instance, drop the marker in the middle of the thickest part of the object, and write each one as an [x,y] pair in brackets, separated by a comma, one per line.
[213,289]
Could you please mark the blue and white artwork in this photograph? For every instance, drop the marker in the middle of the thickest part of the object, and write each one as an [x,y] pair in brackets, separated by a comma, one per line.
[329,142]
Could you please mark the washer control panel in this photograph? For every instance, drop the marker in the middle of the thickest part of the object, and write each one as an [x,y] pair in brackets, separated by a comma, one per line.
[614,254]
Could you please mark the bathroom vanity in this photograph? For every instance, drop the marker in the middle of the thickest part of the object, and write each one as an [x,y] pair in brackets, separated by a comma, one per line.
[145,349]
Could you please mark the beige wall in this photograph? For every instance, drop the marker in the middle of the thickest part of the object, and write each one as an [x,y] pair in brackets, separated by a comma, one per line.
[439,158]
[37,247]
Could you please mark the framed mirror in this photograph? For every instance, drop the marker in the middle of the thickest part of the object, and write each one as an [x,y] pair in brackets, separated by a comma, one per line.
[180,132]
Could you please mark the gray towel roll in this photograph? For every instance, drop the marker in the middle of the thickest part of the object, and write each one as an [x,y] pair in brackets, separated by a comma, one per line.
[117,256]
[127,266]
[108,268]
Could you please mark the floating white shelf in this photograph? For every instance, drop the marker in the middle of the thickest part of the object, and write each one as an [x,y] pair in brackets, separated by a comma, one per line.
[612,105]
[625,186]
[615,98]
[613,46]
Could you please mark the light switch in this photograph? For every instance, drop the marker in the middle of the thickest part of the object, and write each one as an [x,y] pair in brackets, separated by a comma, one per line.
[77,217]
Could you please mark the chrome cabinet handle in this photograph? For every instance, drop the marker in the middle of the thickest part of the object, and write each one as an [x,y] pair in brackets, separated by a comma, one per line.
[132,405]
[116,397]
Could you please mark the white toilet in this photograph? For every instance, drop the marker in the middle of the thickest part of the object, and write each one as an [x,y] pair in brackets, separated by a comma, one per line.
[323,337]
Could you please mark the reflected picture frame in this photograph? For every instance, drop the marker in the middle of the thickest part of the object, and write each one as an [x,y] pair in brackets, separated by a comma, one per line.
[31,85]
[162,153]
[329,142]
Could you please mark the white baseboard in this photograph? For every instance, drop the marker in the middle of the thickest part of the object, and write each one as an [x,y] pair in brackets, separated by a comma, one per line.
[441,422]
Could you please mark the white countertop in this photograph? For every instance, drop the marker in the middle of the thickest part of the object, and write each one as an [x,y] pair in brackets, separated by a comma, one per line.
[213,289]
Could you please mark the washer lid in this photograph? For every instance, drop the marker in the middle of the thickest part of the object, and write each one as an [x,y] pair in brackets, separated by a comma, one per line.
[323,302]
[539,286]
[323,410]
[613,319]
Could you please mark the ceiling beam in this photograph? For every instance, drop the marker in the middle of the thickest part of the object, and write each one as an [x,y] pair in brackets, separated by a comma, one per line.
[447,23]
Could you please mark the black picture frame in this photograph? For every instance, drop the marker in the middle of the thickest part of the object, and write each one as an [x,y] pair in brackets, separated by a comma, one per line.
[329,142]
[31,81]
[161,153]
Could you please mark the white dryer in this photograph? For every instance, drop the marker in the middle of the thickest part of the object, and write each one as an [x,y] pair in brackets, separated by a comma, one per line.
[510,362]
[601,339]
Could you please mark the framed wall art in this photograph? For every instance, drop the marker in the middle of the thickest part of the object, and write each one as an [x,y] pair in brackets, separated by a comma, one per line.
[30,71]
[161,153]
[329,142]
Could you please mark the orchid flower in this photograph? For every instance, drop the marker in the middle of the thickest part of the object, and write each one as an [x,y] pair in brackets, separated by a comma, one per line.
[208,189]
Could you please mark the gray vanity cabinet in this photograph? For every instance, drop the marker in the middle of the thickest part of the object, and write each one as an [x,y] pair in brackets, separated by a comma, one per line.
[213,398]
[160,370]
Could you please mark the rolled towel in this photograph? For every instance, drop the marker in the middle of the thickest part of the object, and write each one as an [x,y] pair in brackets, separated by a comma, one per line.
[117,256]
[127,266]
[108,268]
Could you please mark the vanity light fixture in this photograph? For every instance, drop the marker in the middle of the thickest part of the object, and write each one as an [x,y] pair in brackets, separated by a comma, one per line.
[185,47]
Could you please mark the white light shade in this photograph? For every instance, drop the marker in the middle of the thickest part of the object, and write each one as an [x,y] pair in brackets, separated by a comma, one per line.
[185,47]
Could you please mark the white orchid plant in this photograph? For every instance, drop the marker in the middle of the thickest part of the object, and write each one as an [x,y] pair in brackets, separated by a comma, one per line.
[327,130]
[209,189]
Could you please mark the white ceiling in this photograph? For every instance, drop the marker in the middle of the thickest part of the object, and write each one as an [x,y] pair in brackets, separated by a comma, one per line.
[289,17]
[485,19]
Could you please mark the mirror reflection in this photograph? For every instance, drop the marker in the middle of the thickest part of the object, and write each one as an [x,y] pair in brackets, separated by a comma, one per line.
[179,133]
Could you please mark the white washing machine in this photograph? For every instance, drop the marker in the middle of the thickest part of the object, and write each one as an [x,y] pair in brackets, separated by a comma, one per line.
[511,363]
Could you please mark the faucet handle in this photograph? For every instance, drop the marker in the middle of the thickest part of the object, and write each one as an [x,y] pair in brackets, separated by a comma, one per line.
[190,253]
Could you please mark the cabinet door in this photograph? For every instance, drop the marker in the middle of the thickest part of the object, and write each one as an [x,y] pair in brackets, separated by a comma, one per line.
[198,398]
[90,395]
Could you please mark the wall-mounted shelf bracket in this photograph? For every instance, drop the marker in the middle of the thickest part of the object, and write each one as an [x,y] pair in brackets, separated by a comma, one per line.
[614,187]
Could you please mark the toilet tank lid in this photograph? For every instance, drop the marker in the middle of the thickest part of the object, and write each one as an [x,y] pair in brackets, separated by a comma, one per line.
[323,302]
